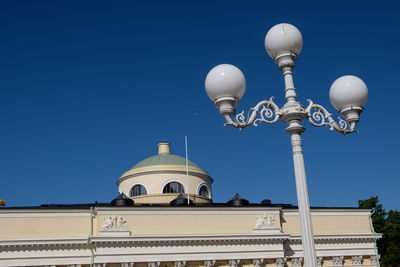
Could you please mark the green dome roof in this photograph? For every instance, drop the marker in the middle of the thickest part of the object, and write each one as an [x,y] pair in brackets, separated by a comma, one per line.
[164,159]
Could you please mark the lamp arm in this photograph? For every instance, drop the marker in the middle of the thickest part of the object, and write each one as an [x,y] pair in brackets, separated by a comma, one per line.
[269,113]
[318,116]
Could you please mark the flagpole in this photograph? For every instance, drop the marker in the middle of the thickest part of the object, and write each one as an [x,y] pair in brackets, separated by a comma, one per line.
[187,171]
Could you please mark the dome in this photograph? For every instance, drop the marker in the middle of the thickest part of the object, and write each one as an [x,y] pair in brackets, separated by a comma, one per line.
[161,178]
[164,159]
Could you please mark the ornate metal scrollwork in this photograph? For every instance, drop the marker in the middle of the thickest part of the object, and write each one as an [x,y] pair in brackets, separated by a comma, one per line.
[267,109]
[319,116]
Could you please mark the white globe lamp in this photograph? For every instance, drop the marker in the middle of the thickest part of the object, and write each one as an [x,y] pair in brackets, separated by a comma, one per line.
[283,43]
[225,85]
[349,94]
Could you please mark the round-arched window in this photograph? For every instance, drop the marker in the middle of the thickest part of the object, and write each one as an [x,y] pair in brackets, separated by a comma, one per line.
[173,187]
[138,190]
[203,191]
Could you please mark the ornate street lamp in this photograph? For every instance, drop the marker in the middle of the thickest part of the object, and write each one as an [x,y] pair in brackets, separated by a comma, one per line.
[225,85]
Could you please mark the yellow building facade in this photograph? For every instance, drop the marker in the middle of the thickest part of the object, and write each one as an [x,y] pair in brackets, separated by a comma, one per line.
[152,224]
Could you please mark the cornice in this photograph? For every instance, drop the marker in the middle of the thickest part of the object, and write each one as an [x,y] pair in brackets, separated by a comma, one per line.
[167,210]
[43,242]
[339,237]
[193,238]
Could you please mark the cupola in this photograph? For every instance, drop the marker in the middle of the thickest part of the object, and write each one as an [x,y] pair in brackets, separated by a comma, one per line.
[161,178]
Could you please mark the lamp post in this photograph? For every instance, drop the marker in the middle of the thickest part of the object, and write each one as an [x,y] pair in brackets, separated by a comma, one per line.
[225,85]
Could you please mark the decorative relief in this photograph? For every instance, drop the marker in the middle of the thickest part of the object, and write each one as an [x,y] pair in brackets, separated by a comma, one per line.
[258,262]
[153,264]
[337,260]
[374,260]
[127,264]
[209,263]
[114,226]
[319,261]
[180,263]
[280,262]
[356,260]
[100,264]
[265,224]
[296,262]
[234,263]
[114,223]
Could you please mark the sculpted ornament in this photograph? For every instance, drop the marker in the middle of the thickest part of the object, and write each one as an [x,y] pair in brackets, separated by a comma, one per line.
[265,222]
[374,260]
[280,262]
[258,262]
[296,262]
[319,261]
[179,263]
[153,264]
[337,260]
[234,263]
[356,260]
[114,224]
[209,263]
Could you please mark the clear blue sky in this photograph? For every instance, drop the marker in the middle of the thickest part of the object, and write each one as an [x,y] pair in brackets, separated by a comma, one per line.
[87,89]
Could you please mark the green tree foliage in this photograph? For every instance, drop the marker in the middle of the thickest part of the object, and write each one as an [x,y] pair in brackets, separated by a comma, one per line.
[388,224]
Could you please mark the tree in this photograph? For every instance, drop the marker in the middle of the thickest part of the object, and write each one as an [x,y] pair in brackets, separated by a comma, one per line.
[387,223]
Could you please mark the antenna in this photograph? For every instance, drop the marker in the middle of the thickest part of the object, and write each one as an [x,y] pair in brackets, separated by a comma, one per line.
[187,171]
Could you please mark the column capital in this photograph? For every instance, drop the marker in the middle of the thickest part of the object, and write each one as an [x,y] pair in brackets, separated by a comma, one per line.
[209,263]
[280,262]
[296,262]
[234,263]
[338,260]
[258,262]
[356,260]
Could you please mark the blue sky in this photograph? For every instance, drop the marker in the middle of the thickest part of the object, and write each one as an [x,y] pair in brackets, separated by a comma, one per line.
[87,89]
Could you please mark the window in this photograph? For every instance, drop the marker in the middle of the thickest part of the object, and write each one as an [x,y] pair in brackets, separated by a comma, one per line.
[173,187]
[203,191]
[138,190]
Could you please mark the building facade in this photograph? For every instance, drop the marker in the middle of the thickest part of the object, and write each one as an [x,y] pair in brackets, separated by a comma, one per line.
[152,224]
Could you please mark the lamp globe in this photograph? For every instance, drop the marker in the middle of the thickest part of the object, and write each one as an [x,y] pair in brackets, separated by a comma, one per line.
[347,92]
[282,39]
[225,81]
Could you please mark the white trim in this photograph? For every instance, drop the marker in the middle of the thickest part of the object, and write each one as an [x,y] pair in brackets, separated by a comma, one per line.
[137,183]
[43,213]
[186,212]
[207,187]
[192,238]
[172,180]
[43,241]
[341,212]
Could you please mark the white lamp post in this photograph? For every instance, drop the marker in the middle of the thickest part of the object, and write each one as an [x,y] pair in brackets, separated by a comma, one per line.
[225,85]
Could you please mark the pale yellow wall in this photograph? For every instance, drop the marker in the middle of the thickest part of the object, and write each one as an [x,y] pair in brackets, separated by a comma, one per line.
[171,221]
[45,227]
[154,183]
[166,198]
[198,224]
[329,224]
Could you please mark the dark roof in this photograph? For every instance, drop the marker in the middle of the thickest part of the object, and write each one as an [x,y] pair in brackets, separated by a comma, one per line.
[216,205]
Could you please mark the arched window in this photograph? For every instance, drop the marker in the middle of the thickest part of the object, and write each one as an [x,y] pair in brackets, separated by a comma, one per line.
[138,190]
[173,187]
[203,191]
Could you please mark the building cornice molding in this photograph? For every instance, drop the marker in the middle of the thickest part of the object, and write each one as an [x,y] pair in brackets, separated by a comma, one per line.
[186,210]
[273,238]
[39,213]
[322,238]
[43,242]
[329,212]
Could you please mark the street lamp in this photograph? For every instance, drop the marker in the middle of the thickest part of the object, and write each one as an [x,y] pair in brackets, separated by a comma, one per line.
[225,85]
